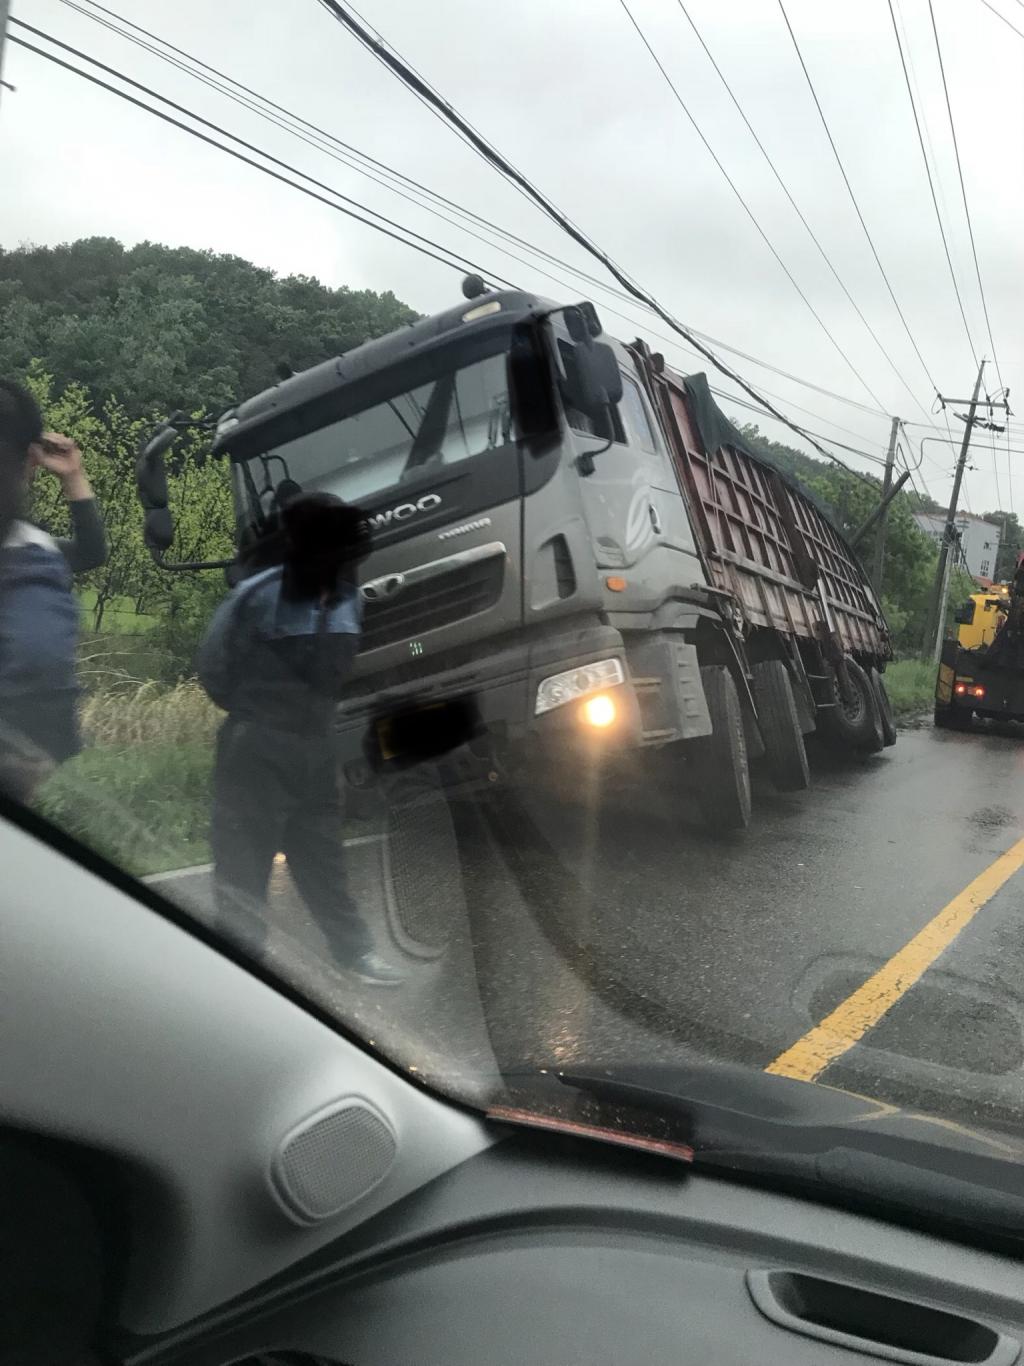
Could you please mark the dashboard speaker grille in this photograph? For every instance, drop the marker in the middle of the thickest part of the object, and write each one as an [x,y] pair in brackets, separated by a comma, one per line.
[331,1160]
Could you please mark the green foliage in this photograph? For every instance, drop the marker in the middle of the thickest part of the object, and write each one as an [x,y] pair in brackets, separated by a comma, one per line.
[1011,543]
[146,808]
[108,337]
[910,684]
[200,496]
[170,327]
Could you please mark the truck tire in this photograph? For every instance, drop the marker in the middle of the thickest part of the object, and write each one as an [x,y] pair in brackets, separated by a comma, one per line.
[785,753]
[885,712]
[854,724]
[722,770]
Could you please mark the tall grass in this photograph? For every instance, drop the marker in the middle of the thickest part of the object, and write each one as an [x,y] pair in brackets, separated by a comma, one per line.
[150,714]
[910,684]
[140,791]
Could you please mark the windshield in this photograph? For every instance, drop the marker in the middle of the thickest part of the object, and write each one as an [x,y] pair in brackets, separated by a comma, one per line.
[455,416]
[591,694]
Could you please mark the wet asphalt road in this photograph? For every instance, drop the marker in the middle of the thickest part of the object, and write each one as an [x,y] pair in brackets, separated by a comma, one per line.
[546,930]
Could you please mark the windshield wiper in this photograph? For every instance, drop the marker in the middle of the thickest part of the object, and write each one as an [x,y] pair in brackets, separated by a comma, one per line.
[825,1141]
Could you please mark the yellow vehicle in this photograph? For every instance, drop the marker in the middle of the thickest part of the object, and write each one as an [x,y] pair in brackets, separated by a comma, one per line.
[981,672]
[978,626]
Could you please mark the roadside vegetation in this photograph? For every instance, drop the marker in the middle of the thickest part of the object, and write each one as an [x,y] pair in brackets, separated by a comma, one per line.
[910,684]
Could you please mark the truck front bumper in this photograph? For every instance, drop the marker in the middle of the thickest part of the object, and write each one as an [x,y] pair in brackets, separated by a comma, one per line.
[500,689]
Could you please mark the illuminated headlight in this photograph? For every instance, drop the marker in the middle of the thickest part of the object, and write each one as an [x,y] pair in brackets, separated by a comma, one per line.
[574,683]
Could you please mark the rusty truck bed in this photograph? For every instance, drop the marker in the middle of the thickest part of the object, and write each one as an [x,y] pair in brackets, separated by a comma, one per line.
[762,540]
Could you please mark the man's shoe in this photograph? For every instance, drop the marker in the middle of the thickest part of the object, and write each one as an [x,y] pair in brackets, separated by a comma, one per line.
[375,971]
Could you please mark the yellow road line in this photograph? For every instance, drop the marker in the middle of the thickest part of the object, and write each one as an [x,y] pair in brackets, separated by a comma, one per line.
[852,1019]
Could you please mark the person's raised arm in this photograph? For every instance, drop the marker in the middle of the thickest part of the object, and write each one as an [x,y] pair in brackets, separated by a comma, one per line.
[86,547]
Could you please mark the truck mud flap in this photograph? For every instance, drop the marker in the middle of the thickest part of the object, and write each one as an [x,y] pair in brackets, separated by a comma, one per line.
[665,675]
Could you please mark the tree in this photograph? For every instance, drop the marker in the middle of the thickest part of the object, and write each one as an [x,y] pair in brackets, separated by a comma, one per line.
[109,441]
[170,327]
[1011,543]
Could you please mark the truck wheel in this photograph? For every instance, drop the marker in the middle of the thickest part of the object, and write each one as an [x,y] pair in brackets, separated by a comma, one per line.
[723,773]
[885,711]
[854,722]
[785,752]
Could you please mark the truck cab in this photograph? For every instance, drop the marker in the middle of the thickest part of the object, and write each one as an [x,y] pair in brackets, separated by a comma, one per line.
[526,519]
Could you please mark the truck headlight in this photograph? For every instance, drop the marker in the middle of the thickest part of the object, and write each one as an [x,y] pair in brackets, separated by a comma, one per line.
[575,683]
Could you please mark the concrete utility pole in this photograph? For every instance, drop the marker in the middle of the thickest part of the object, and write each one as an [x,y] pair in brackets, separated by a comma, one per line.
[937,612]
[878,562]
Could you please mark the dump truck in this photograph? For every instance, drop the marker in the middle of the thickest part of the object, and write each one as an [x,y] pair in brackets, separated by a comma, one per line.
[981,669]
[575,556]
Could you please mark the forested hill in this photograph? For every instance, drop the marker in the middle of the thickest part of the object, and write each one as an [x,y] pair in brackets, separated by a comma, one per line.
[161,327]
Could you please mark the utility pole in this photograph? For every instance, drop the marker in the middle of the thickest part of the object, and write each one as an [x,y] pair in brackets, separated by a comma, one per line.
[937,612]
[878,563]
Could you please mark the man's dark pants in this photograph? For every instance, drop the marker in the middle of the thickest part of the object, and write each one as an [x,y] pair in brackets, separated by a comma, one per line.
[277,791]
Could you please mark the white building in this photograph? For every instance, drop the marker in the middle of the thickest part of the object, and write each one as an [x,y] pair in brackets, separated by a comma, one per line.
[979,539]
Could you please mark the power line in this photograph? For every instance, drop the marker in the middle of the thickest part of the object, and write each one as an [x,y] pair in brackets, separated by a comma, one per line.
[1003,17]
[974,249]
[321,135]
[402,71]
[795,206]
[347,151]
[963,193]
[743,203]
[931,182]
[283,179]
[853,197]
[457,264]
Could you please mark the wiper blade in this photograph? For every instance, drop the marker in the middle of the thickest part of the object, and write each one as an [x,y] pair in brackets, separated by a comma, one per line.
[744,1122]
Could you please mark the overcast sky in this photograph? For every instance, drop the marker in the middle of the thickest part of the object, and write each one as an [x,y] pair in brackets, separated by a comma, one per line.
[568,92]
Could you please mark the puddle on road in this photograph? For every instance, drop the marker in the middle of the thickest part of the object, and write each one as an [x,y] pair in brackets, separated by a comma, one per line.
[992,817]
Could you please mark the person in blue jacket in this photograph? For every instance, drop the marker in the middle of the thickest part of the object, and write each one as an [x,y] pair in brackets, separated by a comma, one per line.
[39,617]
[275,657]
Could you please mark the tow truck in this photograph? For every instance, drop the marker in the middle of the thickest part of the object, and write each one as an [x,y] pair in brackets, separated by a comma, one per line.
[981,669]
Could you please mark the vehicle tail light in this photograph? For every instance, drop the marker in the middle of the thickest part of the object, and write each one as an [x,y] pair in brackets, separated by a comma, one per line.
[978,692]
[960,689]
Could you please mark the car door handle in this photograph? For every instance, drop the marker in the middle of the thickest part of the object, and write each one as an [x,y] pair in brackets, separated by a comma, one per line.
[655,519]
[879,1325]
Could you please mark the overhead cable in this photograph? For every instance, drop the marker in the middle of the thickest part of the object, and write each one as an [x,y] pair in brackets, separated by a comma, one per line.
[931,182]
[411,239]
[1003,17]
[963,194]
[795,206]
[403,72]
[456,263]
[351,157]
[743,203]
[853,198]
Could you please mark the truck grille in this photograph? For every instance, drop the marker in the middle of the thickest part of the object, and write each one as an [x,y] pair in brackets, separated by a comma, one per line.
[440,601]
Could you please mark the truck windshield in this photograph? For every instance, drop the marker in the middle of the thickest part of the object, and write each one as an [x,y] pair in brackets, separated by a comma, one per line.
[454,416]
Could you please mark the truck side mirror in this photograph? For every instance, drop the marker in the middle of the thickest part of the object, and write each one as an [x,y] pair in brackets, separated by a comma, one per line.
[151,482]
[593,380]
[154,495]
[965,616]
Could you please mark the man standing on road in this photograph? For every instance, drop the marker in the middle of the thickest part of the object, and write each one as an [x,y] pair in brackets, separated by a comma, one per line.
[275,658]
[39,616]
